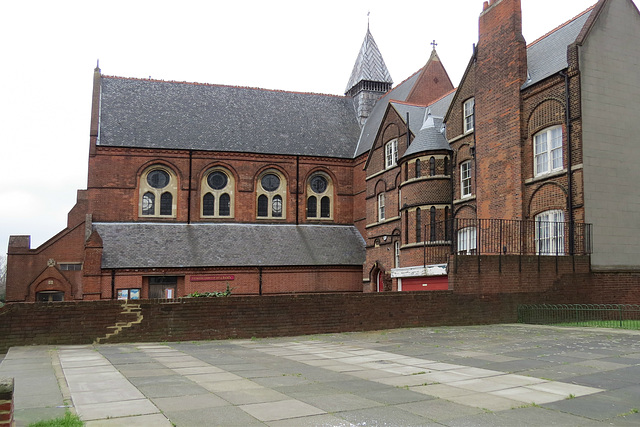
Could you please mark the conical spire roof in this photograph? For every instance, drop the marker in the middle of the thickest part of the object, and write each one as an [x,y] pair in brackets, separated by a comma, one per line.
[429,138]
[369,64]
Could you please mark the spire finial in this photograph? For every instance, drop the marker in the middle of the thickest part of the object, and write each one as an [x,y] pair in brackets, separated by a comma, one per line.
[434,44]
[368,13]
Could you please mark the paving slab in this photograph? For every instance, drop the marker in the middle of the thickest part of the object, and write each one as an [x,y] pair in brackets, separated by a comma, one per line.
[481,375]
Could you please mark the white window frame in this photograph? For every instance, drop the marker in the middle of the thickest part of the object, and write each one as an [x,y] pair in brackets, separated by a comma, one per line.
[549,233]
[547,151]
[468,115]
[467,241]
[465,179]
[381,211]
[391,154]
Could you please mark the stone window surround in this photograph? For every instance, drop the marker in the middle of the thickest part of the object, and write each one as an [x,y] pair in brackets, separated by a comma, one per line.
[280,191]
[171,188]
[228,189]
[328,192]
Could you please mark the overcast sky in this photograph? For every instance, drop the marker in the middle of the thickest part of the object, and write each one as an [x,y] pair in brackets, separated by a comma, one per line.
[50,48]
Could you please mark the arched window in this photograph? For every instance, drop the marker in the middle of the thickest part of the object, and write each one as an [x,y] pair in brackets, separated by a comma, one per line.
[166,203]
[263,205]
[432,166]
[418,168]
[446,223]
[158,184]
[381,211]
[217,189]
[432,222]
[271,190]
[418,225]
[208,205]
[225,205]
[148,203]
[312,207]
[319,186]
[446,166]
[325,207]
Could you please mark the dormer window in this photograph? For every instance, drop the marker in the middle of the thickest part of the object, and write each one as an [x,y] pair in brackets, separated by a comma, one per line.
[391,154]
[468,112]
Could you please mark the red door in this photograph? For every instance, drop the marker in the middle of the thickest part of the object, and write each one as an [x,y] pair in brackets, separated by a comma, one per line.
[379,282]
[430,283]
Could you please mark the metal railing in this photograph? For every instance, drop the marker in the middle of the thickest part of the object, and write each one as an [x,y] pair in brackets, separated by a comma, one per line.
[623,316]
[504,237]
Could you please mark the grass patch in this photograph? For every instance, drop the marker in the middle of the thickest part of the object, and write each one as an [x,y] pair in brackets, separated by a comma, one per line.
[633,411]
[616,324]
[69,420]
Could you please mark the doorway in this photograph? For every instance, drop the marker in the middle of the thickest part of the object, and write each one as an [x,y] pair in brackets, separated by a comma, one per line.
[163,287]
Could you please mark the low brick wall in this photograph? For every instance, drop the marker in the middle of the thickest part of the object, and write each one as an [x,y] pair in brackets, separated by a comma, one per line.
[6,402]
[485,290]
[246,316]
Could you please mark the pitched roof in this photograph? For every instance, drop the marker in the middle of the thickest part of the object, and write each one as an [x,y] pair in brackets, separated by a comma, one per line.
[145,245]
[172,115]
[429,138]
[370,128]
[369,64]
[548,55]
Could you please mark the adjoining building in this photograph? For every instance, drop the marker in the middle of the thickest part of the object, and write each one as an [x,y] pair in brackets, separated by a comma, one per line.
[193,187]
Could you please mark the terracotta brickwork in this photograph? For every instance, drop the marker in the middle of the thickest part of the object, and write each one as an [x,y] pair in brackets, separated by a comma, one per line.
[6,402]
[483,299]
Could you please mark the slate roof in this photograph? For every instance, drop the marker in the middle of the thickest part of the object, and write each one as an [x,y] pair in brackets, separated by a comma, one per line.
[429,138]
[370,128]
[157,114]
[369,64]
[548,55]
[146,245]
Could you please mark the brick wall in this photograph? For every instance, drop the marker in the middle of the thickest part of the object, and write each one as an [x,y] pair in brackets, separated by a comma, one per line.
[494,300]
[6,402]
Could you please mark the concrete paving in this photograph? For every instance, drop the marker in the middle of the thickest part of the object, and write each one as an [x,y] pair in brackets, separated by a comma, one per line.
[499,375]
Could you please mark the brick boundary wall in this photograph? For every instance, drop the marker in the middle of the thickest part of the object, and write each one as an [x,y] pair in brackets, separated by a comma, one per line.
[6,402]
[495,300]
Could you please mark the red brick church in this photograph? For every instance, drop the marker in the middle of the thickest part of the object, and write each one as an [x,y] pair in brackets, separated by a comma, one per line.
[196,187]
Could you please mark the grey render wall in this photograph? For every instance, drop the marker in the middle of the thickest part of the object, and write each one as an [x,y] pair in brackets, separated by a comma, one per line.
[610,69]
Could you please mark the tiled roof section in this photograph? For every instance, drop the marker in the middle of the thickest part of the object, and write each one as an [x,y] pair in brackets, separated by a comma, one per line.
[371,126]
[430,137]
[548,55]
[418,113]
[172,115]
[144,245]
[369,64]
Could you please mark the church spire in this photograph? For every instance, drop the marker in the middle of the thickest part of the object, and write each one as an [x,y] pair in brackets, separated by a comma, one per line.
[370,78]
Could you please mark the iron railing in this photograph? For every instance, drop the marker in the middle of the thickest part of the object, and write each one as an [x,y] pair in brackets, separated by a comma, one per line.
[504,237]
[623,316]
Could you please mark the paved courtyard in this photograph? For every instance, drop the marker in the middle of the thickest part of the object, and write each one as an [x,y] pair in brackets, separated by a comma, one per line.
[498,375]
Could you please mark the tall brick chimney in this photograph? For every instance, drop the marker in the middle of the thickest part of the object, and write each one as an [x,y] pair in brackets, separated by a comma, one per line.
[501,70]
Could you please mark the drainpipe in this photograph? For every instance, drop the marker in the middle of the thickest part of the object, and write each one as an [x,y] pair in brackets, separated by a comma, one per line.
[569,160]
[297,190]
[189,193]
[113,283]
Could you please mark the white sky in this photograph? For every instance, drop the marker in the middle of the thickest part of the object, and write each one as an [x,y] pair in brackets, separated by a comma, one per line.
[50,48]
